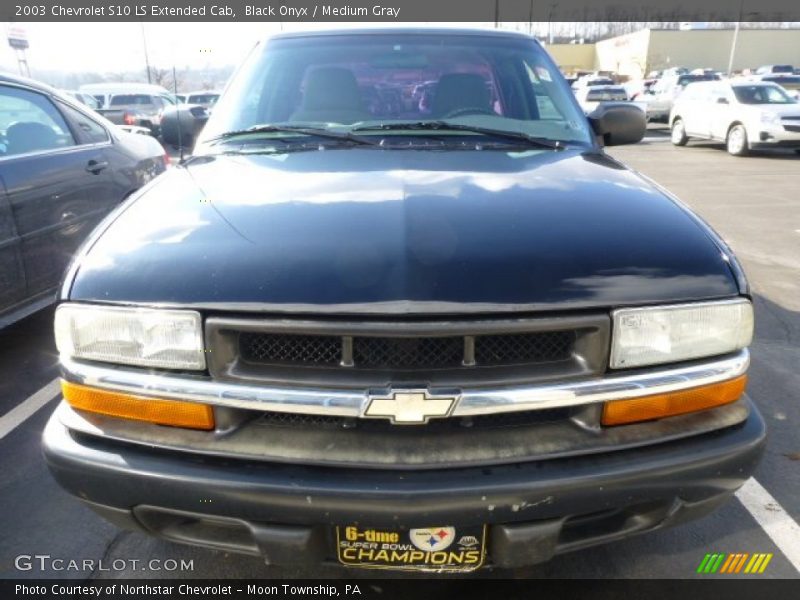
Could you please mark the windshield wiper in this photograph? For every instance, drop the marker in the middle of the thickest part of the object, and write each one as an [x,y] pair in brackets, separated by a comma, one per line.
[516,136]
[298,129]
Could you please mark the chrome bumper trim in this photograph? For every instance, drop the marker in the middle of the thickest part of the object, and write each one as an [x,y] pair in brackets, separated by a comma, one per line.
[353,403]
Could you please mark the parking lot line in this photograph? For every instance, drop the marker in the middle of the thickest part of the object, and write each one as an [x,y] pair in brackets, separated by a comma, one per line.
[17,415]
[773,519]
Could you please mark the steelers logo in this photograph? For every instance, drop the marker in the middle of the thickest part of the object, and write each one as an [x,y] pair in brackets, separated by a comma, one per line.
[433,539]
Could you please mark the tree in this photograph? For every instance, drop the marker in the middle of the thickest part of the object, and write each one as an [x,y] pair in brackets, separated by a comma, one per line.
[164,78]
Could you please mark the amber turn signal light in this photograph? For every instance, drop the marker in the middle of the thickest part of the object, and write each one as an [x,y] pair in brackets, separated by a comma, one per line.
[138,408]
[658,406]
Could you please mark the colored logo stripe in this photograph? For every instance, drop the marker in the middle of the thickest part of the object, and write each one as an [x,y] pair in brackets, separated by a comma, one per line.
[734,563]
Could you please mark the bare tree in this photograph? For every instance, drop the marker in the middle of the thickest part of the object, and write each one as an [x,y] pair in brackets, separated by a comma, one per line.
[164,78]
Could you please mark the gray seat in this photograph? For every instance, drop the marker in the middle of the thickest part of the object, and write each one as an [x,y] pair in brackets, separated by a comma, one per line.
[331,95]
[460,91]
[29,136]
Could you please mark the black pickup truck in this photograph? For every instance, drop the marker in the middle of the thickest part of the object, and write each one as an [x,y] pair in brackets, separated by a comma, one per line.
[430,333]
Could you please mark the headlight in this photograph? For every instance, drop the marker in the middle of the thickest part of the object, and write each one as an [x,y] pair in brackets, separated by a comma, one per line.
[145,337]
[662,334]
[770,118]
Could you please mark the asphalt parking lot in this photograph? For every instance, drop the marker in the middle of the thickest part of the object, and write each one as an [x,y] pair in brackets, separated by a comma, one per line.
[753,202]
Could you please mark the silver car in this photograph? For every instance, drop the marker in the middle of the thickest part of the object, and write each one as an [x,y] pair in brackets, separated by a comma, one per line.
[664,92]
[743,114]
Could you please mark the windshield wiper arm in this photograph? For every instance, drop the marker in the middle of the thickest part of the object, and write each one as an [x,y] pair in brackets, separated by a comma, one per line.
[517,136]
[299,129]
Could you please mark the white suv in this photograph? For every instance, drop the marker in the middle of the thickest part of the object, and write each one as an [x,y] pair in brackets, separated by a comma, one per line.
[744,114]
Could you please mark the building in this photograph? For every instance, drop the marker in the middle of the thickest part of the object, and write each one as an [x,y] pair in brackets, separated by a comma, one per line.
[636,54]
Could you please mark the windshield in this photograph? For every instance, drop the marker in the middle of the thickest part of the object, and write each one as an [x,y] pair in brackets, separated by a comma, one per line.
[762,94]
[347,82]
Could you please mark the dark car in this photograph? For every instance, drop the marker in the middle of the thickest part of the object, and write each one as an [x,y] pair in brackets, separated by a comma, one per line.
[62,169]
[427,341]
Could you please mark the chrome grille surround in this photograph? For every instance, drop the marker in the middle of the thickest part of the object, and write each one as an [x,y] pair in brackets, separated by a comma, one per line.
[352,403]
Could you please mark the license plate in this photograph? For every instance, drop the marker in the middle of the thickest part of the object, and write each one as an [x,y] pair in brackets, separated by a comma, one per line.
[444,548]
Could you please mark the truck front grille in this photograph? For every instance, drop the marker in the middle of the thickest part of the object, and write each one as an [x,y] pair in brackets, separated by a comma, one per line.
[524,348]
[402,353]
[280,349]
[372,354]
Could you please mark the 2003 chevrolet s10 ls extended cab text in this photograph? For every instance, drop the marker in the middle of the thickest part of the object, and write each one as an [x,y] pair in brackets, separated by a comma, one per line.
[400,310]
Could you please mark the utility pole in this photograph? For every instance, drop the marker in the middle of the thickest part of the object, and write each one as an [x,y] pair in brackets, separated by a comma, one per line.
[146,57]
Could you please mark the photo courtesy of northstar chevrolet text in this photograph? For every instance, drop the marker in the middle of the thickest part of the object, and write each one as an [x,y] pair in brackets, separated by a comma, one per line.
[299,291]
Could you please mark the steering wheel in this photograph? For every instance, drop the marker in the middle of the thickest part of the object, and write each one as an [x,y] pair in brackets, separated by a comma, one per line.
[468,110]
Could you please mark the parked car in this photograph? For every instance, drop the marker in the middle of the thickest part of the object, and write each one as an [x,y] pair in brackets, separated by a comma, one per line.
[791,83]
[745,115]
[206,99]
[181,125]
[85,99]
[62,169]
[590,98]
[424,341]
[663,93]
[674,72]
[775,69]
[142,110]
[591,81]
[131,104]
[102,92]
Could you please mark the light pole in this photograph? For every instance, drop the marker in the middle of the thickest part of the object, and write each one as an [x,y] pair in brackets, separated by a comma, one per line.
[735,39]
[550,23]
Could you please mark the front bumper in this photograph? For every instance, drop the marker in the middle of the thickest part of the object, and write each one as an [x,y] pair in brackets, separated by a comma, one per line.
[284,512]
[774,136]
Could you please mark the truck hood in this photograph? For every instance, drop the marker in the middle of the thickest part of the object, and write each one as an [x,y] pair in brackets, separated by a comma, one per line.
[401,231]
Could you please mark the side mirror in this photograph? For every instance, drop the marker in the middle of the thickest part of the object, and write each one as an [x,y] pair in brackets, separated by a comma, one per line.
[722,101]
[618,123]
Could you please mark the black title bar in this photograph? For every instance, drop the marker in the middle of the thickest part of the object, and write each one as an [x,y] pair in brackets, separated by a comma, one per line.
[388,11]
[397,589]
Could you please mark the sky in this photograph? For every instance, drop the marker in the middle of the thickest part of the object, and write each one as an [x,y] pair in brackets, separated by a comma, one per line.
[117,47]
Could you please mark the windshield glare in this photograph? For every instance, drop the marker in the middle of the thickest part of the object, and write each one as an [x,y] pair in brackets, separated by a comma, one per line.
[762,94]
[340,82]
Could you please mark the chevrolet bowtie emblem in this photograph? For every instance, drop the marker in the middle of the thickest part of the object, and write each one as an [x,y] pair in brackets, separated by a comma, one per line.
[409,408]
